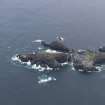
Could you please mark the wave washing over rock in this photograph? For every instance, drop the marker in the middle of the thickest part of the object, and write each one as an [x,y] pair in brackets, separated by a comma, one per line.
[28,64]
[43,78]
[15,59]
[55,55]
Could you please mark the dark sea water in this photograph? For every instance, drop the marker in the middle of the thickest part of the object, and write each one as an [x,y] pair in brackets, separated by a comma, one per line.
[80,22]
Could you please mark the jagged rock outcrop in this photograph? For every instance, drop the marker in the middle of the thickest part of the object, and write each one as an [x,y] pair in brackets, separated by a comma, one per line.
[57,45]
[88,61]
[83,62]
[52,60]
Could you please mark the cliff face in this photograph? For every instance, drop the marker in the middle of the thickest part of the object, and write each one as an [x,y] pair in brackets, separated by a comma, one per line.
[88,61]
[84,61]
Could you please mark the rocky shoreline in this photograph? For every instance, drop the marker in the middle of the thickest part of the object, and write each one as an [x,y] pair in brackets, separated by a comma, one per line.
[85,60]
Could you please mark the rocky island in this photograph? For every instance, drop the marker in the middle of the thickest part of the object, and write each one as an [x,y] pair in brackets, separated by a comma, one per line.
[85,60]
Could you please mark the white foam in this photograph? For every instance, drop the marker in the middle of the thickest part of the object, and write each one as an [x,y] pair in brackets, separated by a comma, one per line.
[34,66]
[37,67]
[15,58]
[51,51]
[72,66]
[37,41]
[40,48]
[49,68]
[46,79]
[65,63]
[99,68]
[28,63]
[40,68]
[80,70]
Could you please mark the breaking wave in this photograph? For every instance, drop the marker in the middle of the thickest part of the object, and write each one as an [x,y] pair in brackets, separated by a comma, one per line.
[41,79]
[45,79]
[28,64]
[34,66]
[16,60]
[99,68]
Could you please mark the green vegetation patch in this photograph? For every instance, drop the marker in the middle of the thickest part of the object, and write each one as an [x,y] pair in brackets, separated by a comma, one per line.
[90,56]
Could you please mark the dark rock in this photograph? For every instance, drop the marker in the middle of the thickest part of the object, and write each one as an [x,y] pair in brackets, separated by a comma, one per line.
[102,49]
[99,59]
[56,45]
[26,57]
[52,60]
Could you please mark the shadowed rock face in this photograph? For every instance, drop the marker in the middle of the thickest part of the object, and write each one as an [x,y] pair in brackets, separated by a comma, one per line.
[56,45]
[101,49]
[99,59]
[52,60]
